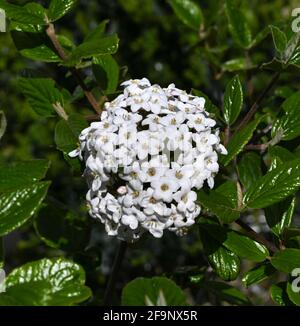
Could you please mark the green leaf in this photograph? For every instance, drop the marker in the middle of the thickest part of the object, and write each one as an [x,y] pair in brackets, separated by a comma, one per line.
[46,282]
[31,13]
[58,8]
[233,100]
[22,173]
[279,216]
[294,296]
[224,262]
[220,205]
[34,45]
[209,106]
[93,48]
[286,260]
[292,51]
[258,274]
[249,168]
[279,155]
[1,257]
[67,132]
[188,12]
[235,65]
[237,242]
[279,39]
[41,53]
[227,293]
[279,295]
[157,291]
[238,24]
[41,94]
[229,190]
[274,186]
[18,206]
[284,91]
[239,141]
[96,33]
[259,37]
[289,123]
[291,233]
[3,124]
[111,68]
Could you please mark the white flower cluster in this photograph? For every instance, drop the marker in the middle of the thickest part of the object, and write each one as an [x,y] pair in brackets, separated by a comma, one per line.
[146,157]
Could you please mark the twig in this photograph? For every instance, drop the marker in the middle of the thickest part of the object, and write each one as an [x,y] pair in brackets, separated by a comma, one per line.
[257,147]
[114,273]
[255,236]
[76,74]
[257,102]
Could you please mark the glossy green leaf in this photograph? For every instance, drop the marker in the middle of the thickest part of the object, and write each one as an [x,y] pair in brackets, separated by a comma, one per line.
[292,51]
[279,295]
[258,274]
[58,8]
[249,168]
[41,53]
[111,68]
[279,216]
[279,155]
[46,282]
[22,173]
[224,262]
[239,141]
[156,291]
[31,13]
[18,206]
[238,24]
[93,48]
[233,100]
[41,94]
[97,33]
[220,205]
[229,190]
[237,242]
[188,12]
[286,260]
[289,122]
[274,186]
[226,292]
[279,39]
[209,106]
[294,296]
[67,132]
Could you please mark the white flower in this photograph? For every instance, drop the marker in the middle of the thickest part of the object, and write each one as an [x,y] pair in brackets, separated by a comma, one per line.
[164,188]
[152,148]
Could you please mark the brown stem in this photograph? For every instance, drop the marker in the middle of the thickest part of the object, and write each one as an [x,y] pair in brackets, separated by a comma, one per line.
[257,237]
[76,74]
[257,147]
[226,135]
[257,102]
[114,273]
